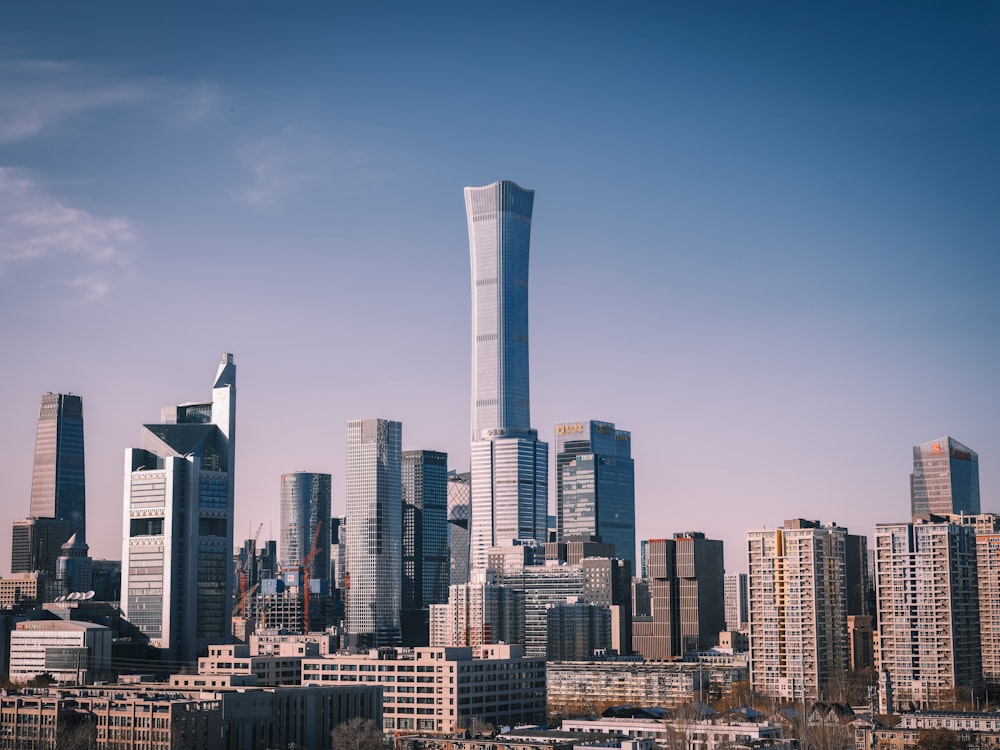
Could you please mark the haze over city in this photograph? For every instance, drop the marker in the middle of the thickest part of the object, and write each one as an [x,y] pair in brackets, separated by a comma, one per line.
[764,238]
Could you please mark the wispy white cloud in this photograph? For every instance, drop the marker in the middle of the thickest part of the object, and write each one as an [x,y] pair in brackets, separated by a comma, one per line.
[39,95]
[279,165]
[35,226]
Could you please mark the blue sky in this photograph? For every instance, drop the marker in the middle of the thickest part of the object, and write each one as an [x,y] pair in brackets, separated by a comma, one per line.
[765,237]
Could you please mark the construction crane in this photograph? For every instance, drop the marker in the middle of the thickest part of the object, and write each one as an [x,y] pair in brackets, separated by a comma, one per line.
[241,606]
[305,578]
[248,552]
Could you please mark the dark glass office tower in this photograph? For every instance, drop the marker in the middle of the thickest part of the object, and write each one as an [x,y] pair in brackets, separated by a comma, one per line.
[57,483]
[945,478]
[425,540]
[595,485]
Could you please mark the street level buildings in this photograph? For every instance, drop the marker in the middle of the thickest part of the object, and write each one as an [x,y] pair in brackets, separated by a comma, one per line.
[157,717]
[71,652]
[177,572]
[945,478]
[441,690]
[374,530]
[509,484]
[798,608]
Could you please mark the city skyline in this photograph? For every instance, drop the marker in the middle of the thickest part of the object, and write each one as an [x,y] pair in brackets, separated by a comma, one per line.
[751,225]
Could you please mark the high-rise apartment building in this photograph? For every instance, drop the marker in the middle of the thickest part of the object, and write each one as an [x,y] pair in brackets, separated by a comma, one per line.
[945,478]
[798,608]
[478,613]
[737,601]
[57,481]
[425,541]
[509,463]
[926,586]
[987,529]
[177,572]
[374,531]
[595,485]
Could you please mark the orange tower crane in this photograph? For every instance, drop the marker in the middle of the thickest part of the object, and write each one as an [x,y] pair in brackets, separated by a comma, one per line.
[305,578]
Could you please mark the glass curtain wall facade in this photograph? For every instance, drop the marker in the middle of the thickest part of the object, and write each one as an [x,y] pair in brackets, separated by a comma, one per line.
[595,485]
[177,572]
[459,515]
[374,530]
[57,480]
[305,513]
[509,487]
[945,478]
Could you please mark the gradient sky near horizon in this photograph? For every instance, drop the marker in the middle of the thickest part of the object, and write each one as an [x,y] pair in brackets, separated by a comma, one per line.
[765,237]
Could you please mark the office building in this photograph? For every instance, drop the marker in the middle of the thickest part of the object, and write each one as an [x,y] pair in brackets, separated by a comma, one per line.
[374,530]
[927,589]
[945,478]
[305,542]
[798,608]
[737,601]
[577,630]
[36,544]
[509,464]
[177,571]
[443,690]
[459,517]
[687,598]
[72,652]
[426,566]
[57,481]
[608,582]
[305,523]
[157,717]
[595,485]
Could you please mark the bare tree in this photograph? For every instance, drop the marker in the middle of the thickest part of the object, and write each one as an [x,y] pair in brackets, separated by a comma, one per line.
[357,734]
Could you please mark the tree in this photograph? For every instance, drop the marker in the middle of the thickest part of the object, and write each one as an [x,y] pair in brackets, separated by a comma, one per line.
[828,736]
[939,738]
[357,734]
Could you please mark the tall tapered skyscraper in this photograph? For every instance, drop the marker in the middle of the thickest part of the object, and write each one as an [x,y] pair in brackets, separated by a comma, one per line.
[374,531]
[177,571]
[57,482]
[509,463]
